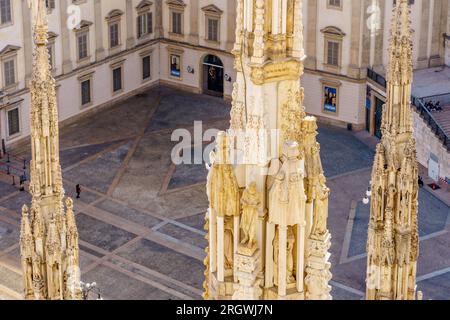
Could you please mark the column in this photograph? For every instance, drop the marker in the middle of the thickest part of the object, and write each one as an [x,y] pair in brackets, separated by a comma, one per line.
[300,257]
[159,30]
[282,264]
[99,22]
[212,241]
[269,255]
[297,47]
[236,239]
[309,207]
[435,36]
[379,39]
[438,29]
[424,34]
[130,24]
[65,38]
[276,19]
[258,43]
[193,19]
[311,38]
[365,58]
[27,40]
[220,249]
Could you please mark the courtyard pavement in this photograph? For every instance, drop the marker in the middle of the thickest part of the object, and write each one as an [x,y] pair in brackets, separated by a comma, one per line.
[140,218]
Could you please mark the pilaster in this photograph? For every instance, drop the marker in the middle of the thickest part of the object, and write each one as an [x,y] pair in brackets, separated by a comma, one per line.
[159,29]
[354,69]
[27,41]
[194,22]
[99,23]
[423,60]
[65,37]
[131,39]
[311,38]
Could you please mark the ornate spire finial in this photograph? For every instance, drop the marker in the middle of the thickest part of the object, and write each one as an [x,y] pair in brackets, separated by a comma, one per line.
[39,18]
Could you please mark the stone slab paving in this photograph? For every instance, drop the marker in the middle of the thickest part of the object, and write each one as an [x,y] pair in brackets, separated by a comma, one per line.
[141,218]
[8,235]
[6,189]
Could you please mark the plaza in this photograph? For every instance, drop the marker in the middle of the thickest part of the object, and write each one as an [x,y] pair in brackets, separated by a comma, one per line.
[141,218]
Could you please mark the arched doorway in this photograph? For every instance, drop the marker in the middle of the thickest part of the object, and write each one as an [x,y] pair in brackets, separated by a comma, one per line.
[213,76]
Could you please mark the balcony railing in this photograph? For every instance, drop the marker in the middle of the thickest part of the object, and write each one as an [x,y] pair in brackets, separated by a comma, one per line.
[444,99]
[419,105]
[426,115]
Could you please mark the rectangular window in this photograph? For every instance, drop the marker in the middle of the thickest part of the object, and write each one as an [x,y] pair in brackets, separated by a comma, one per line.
[10,73]
[333,53]
[334,3]
[145,24]
[146,68]
[13,122]
[85,92]
[82,46]
[50,4]
[114,35]
[5,11]
[213,29]
[176,22]
[117,79]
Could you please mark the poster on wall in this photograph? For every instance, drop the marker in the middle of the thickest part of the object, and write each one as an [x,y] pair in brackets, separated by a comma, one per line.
[330,99]
[175,65]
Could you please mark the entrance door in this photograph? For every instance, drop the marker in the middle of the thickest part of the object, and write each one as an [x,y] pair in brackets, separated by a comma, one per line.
[378,117]
[213,76]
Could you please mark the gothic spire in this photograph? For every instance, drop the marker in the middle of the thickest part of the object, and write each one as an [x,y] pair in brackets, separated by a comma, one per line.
[393,240]
[50,268]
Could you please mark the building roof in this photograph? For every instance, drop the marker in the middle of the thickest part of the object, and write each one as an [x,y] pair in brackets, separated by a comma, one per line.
[431,82]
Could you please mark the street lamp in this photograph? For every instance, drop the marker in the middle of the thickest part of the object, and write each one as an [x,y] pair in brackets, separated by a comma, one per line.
[366,199]
[87,288]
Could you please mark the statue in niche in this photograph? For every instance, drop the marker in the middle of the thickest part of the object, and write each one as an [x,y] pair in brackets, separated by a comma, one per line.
[29,274]
[321,208]
[251,203]
[275,244]
[290,256]
[228,242]
[55,284]
[290,243]
[287,195]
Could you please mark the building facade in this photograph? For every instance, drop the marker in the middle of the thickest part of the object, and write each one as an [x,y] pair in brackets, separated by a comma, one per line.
[103,51]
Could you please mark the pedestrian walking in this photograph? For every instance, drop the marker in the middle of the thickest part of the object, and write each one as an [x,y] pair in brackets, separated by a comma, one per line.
[78,191]
[22,183]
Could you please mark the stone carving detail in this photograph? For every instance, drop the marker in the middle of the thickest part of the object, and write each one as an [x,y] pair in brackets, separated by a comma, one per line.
[238,120]
[392,247]
[49,237]
[278,241]
[293,113]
